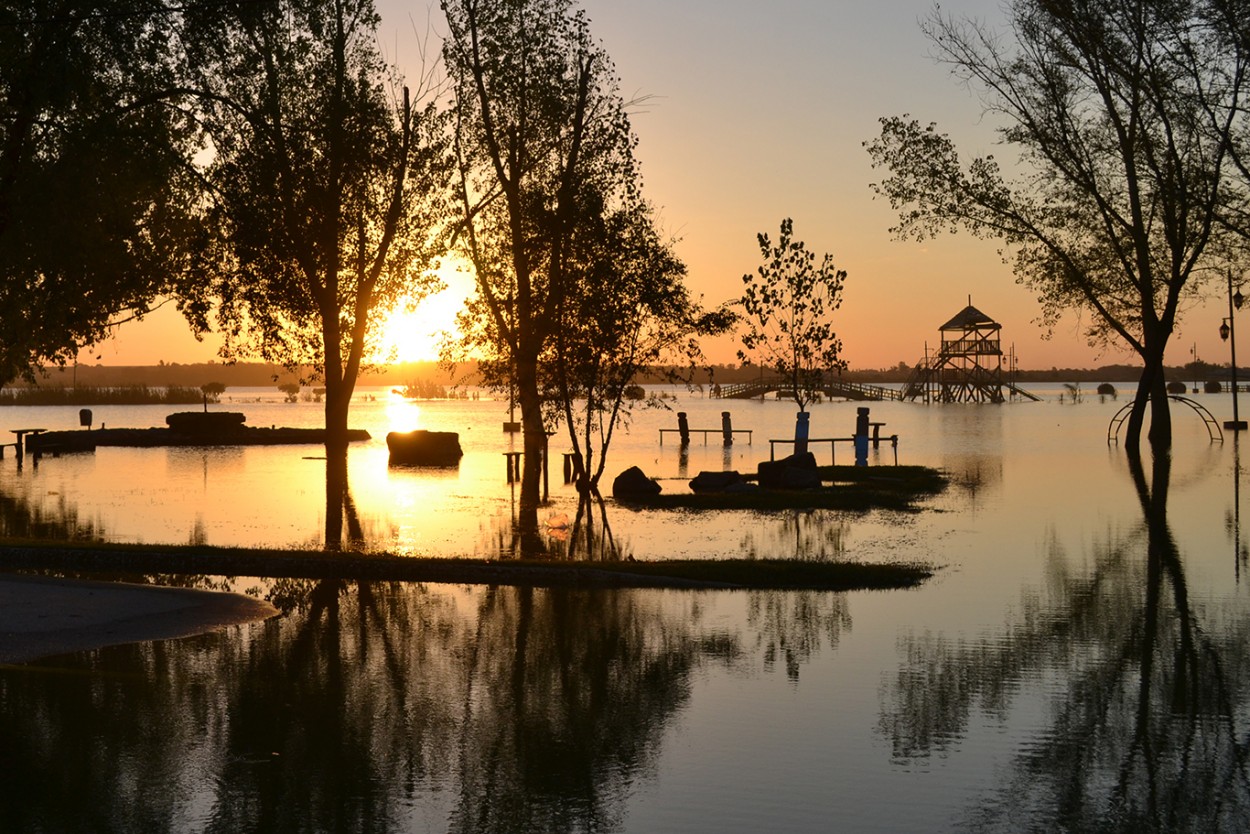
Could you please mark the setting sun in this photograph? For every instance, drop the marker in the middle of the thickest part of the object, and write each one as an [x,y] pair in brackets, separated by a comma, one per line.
[414,335]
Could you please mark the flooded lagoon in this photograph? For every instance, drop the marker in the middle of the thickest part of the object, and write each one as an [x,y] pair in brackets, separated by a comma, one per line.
[1078,663]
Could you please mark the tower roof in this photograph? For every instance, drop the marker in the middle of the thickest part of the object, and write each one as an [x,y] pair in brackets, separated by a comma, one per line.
[968,318]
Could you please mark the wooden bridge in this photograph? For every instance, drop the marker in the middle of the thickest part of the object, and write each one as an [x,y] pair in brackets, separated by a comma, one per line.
[834,389]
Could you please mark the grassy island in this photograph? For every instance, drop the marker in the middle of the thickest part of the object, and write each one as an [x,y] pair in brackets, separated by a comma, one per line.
[123,561]
[845,488]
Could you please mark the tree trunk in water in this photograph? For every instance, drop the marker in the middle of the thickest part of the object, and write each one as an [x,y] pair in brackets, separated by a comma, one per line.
[1151,393]
[1160,416]
[1141,399]
[534,436]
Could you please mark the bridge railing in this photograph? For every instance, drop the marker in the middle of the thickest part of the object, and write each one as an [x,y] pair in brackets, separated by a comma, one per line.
[759,387]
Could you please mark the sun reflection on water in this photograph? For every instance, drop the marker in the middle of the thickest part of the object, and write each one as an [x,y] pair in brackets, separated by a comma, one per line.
[402,414]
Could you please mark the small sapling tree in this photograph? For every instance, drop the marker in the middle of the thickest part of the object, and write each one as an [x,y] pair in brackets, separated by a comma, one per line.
[788,303]
[213,391]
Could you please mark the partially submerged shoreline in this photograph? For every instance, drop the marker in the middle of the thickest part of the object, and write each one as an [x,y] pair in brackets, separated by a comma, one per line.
[852,488]
[55,442]
[759,574]
[44,617]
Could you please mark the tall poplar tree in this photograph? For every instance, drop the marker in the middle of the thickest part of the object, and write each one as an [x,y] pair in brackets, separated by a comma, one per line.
[322,180]
[321,183]
[545,148]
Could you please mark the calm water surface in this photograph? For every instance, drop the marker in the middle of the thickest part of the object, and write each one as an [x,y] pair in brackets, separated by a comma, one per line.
[1078,663]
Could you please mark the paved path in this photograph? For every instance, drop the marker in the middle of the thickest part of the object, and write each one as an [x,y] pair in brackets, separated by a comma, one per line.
[40,617]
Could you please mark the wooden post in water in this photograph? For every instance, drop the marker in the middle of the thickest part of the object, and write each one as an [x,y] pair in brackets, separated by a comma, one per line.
[683,428]
[727,428]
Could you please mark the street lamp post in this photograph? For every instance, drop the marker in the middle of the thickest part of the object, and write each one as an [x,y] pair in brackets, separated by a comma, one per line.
[1228,332]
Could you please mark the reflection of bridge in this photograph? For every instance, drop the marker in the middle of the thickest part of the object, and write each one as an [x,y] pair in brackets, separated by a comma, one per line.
[834,389]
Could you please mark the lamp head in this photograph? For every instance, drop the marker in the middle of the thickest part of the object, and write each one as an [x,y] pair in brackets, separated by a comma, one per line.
[1238,298]
[1224,331]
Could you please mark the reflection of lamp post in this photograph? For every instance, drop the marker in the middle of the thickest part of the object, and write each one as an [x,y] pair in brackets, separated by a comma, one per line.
[1193,351]
[1228,332]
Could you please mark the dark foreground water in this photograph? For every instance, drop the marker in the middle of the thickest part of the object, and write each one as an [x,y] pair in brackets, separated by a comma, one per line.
[1079,663]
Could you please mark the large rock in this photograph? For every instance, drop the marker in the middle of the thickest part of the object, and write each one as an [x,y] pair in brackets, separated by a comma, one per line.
[206,422]
[634,483]
[424,448]
[714,481]
[794,472]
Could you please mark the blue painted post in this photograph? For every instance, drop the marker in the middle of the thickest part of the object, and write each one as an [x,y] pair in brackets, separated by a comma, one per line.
[861,437]
[801,428]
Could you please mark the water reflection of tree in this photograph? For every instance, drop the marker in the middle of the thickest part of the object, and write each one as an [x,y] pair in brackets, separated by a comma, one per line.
[973,473]
[1147,691]
[588,541]
[567,695]
[355,710]
[812,535]
[793,627]
[340,507]
[24,518]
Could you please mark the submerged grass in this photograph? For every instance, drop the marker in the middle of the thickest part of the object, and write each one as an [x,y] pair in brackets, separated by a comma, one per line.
[91,395]
[117,559]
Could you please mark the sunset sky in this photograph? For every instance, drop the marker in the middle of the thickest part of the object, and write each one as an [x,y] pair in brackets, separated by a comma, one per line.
[758,112]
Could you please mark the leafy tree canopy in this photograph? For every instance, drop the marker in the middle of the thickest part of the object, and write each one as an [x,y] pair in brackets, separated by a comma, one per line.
[96,210]
[788,304]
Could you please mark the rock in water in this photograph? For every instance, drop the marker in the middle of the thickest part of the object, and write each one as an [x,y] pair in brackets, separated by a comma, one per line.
[634,483]
[793,472]
[714,481]
[424,448]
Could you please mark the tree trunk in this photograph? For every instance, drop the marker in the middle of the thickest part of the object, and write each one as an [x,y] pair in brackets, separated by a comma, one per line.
[338,402]
[1141,399]
[534,437]
[1160,416]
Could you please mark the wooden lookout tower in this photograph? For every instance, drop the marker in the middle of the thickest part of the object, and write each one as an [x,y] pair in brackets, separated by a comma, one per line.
[967,368]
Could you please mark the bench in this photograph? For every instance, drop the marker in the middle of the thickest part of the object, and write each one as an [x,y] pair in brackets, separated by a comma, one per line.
[833,445]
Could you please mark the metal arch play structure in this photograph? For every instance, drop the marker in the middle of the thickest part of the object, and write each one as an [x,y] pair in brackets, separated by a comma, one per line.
[1213,425]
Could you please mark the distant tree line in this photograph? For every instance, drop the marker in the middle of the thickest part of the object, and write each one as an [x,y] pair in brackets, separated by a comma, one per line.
[238,374]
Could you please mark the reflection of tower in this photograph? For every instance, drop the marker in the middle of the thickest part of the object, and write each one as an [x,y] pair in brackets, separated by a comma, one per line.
[968,367]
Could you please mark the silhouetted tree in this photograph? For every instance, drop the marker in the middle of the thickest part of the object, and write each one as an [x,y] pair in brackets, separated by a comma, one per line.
[321,179]
[1121,171]
[95,205]
[628,310]
[788,302]
[544,146]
